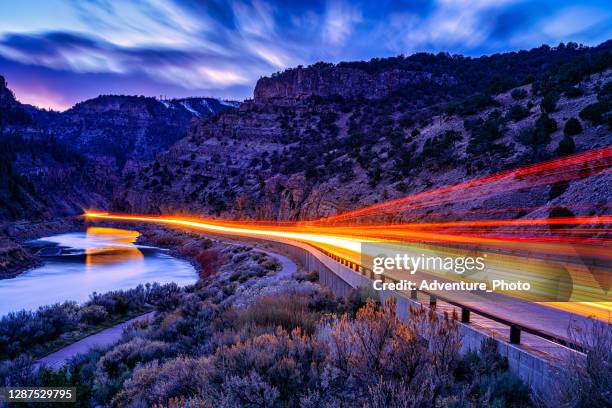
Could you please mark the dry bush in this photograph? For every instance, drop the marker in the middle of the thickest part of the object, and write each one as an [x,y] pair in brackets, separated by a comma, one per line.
[586,381]
[182,402]
[279,367]
[442,336]
[150,384]
[210,260]
[288,310]
[193,246]
[116,365]
[385,356]
[162,237]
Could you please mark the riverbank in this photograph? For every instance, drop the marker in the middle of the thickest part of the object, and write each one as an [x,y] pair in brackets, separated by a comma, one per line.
[15,257]
[29,331]
[104,337]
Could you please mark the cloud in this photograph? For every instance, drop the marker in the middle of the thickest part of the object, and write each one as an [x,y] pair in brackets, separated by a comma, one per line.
[451,24]
[340,19]
[574,20]
[179,47]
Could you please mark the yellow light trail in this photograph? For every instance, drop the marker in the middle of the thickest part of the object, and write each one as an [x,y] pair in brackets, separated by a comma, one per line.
[347,243]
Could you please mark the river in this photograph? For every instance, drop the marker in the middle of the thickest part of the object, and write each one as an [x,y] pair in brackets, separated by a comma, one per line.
[99,260]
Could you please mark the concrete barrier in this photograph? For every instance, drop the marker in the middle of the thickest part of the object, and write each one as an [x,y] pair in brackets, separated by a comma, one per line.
[533,369]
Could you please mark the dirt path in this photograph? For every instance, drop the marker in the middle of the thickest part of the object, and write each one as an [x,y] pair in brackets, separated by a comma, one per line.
[103,338]
[288,267]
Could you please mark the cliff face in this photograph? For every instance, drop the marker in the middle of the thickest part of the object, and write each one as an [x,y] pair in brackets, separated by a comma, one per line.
[12,113]
[321,140]
[326,80]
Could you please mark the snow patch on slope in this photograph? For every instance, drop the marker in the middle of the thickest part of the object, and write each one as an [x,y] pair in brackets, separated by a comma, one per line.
[207,106]
[190,109]
[233,104]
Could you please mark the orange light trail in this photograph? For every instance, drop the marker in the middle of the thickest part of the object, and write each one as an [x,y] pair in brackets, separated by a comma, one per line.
[531,248]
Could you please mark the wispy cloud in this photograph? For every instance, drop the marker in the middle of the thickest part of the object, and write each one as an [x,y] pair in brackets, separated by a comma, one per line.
[340,21]
[222,47]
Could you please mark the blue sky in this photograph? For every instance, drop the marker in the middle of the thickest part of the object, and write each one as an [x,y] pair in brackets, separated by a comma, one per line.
[55,53]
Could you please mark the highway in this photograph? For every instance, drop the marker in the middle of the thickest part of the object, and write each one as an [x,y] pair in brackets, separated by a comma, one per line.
[552,317]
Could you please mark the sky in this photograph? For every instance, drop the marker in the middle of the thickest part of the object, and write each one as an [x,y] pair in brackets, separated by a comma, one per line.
[55,53]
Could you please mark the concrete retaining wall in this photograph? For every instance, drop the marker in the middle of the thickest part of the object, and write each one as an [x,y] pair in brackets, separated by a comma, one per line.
[534,370]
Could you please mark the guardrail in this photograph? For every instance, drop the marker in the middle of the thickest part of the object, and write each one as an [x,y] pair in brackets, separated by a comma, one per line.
[515,328]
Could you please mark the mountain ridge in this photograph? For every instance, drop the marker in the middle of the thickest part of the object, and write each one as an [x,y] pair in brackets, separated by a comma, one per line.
[295,153]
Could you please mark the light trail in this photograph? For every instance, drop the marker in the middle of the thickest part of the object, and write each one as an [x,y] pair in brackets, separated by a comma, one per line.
[540,249]
[347,243]
[350,244]
[564,169]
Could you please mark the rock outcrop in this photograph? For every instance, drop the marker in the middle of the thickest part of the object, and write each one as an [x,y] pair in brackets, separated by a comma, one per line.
[327,80]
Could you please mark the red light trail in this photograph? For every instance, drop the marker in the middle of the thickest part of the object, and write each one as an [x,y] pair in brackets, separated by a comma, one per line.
[529,247]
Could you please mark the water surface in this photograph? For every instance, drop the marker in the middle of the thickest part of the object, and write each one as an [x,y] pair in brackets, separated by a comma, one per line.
[98,260]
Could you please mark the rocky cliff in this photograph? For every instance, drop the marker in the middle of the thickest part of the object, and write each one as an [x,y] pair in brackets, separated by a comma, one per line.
[325,80]
[328,138]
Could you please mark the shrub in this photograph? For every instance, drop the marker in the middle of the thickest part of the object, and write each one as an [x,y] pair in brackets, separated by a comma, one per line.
[518,94]
[516,113]
[587,381]
[117,364]
[566,146]
[440,146]
[289,311]
[93,314]
[278,368]
[210,261]
[593,113]
[27,332]
[504,390]
[546,123]
[415,357]
[358,298]
[17,372]
[154,384]
[549,102]
[557,189]
[572,127]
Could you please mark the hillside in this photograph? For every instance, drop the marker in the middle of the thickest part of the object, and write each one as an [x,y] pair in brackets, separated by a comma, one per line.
[121,127]
[41,178]
[327,138]
[55,164]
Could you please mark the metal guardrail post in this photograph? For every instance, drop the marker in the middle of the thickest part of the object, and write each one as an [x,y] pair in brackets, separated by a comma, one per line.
[515,334]
[413,294]
[465,315]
